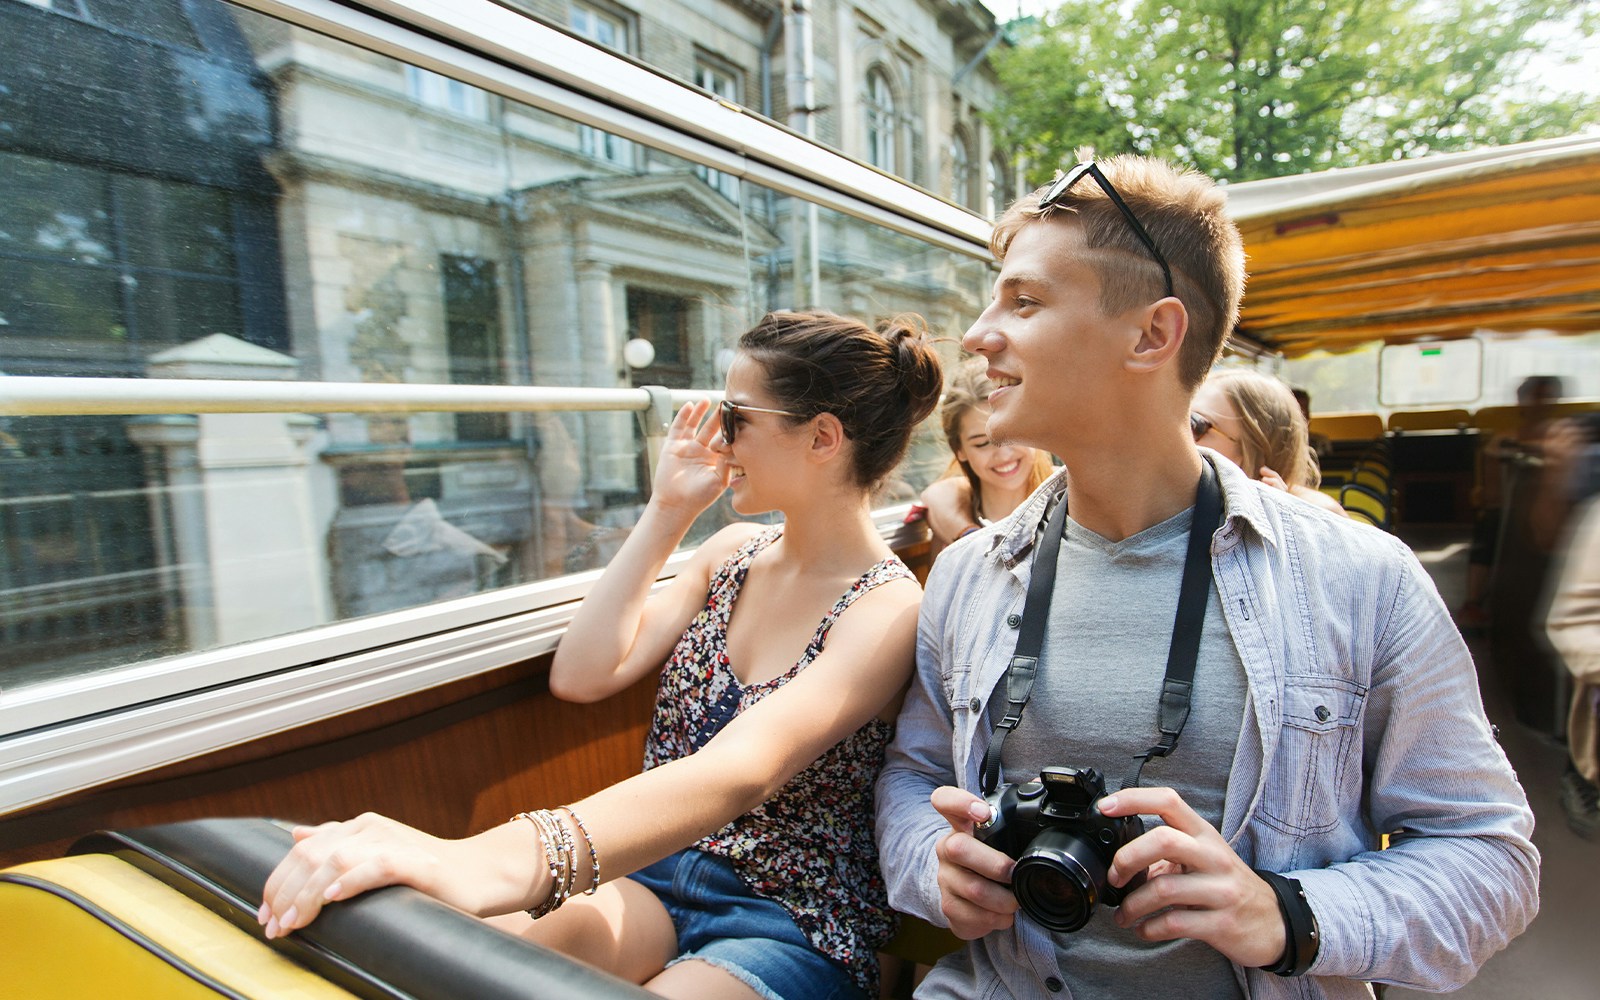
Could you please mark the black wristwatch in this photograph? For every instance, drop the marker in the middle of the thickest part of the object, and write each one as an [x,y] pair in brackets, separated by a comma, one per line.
[1301,938]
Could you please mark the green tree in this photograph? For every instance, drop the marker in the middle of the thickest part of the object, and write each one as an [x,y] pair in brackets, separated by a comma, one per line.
[1260,88]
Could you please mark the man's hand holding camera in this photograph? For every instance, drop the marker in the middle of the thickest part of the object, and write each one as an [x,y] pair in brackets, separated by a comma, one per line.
[1196,887]
[974,878]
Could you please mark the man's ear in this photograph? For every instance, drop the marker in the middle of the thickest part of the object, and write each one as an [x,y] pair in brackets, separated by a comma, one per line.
[827,437]
[1161,335]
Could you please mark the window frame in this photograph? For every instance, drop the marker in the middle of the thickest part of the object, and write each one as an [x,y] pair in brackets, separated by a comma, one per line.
[62,737]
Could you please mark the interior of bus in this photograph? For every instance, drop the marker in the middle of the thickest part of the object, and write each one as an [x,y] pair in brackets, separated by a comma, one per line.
[139,778]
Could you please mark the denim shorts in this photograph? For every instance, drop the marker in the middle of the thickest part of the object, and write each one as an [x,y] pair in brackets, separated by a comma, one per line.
[720,921]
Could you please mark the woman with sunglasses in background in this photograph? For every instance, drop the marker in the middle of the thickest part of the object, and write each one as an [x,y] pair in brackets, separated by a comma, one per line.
[1254,421]
[782,652]
[987,478]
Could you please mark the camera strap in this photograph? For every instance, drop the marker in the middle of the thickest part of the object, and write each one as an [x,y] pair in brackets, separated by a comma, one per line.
[1182,655]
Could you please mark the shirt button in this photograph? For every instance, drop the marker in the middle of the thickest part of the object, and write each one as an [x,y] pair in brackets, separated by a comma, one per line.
[1013,620]
[1053,984]
[975,704]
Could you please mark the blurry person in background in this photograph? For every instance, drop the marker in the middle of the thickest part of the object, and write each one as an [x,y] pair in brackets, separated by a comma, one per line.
[1253,421]
[1500,463]
[987,478]
[1574,629]
[1571,485]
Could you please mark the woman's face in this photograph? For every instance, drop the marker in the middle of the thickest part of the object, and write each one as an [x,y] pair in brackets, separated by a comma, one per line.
[1000,466]
[1223,436]
[760,460]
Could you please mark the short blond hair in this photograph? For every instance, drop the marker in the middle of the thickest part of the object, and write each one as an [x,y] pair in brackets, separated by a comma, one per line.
[1185,213]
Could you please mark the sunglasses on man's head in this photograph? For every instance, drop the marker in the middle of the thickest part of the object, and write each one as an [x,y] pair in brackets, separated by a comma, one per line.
[728,410]
[1063,185]
[1200,425]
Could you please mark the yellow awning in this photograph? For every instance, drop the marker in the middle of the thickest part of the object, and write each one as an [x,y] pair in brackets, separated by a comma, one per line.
[1505,238]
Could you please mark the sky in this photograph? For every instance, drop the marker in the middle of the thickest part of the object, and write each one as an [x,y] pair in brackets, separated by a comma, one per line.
[1548,70]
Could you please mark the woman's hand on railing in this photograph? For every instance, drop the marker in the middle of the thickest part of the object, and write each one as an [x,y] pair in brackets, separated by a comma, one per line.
[691,473]
[493,872]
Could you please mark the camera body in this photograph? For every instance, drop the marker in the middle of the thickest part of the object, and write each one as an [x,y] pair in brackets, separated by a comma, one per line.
[1062,845]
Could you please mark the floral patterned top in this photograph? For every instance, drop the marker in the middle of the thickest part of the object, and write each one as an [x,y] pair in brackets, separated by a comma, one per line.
[810,847]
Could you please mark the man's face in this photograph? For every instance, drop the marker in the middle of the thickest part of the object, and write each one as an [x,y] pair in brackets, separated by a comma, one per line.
[1050,348]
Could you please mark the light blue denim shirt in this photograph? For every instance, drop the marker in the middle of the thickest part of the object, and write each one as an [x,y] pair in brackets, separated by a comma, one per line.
[1366,718]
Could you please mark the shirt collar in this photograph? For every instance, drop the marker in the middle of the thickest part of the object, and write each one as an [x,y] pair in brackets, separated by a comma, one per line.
[1240,500]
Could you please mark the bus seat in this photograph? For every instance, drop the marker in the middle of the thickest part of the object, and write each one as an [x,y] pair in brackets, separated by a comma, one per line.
[1365,504]
[1348,426]
[170,911]
[1496,419]
[1401,421]
[1372,478]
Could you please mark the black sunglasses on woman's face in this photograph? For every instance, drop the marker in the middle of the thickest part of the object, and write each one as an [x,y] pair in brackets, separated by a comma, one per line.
[728,409]
[1200,425]
[1063,185]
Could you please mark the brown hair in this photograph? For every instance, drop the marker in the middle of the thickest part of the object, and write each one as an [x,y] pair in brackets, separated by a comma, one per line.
[969,390]
[879,383]
[1185,214]
[1273,430]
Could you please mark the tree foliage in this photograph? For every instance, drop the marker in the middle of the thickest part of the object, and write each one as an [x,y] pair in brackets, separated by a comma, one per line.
[1260,88]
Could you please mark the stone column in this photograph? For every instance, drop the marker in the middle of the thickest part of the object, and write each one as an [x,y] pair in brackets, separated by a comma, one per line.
[610,453]
[244,522]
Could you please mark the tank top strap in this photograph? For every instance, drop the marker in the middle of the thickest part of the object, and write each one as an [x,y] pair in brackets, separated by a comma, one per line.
[729,578]
[883,572]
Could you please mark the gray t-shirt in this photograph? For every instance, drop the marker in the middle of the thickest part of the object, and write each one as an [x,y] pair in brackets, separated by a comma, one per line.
[1094,705]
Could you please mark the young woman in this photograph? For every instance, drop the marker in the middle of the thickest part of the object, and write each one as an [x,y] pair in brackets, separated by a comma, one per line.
[987,479]
[1253,421]
[783,652]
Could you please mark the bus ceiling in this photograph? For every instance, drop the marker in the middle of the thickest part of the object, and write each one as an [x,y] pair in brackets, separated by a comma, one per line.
[1504,238]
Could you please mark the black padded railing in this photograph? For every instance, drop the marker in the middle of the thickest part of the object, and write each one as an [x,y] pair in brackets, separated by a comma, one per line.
[391,943]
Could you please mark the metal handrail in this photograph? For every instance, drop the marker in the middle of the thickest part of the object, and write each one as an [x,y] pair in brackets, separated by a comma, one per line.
[32,395]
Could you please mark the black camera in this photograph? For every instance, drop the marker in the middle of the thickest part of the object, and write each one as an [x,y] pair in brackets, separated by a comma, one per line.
[1061,843]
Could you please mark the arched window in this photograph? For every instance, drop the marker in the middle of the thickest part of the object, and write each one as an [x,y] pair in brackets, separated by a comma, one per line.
[998,193]
[881,121]
[960,169]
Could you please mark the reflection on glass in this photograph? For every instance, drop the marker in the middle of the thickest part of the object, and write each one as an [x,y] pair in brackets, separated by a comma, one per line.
[268,203]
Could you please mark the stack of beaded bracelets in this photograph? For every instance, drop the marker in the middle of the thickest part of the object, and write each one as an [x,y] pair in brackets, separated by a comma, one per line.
[561,854]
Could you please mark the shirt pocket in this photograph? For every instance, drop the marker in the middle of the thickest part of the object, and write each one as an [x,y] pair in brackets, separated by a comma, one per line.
[1315,774]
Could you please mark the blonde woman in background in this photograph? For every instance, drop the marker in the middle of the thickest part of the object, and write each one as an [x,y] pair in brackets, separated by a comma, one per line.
[1254,421]
[987,479]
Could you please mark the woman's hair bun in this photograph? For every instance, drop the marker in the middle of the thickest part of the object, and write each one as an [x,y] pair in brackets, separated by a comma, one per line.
[921,373]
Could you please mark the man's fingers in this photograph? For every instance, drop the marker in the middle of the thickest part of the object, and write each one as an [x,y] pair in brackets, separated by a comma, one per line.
[1162,802]
[960,808]
[967,852]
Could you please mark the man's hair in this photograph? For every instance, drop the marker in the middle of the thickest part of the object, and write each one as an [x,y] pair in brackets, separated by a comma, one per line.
[1185,213]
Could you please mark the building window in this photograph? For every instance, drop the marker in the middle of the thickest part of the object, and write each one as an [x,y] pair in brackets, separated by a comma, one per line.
[99,268]
[960,170]
[663,319]
[722,81]
[881,131]
[434,91]
[472,338]
[997,187]
[611,31]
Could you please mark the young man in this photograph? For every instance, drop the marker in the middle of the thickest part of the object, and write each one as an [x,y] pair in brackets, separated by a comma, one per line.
[1332,700]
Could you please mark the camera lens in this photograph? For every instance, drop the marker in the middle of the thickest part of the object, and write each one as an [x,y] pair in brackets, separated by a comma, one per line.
[1058,880]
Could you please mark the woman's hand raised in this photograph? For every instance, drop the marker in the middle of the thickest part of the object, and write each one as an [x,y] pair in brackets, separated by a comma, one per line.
[690,473]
